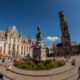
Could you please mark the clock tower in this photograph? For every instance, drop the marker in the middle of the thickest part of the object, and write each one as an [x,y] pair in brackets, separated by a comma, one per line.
[64,29]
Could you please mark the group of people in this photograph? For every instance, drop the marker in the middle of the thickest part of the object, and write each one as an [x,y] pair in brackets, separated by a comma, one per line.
[79,73]
[8,66]
[6,62]
[74,63]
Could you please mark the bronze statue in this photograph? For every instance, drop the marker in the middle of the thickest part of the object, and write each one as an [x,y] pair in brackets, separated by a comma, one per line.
[39,34]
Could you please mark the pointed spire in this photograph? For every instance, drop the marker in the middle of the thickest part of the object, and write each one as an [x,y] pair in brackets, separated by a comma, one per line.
[28,36]
[31,37]
[20,33]
[8,29]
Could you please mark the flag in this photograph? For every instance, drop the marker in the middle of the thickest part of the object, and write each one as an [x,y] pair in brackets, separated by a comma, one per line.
[32,48]
[54,45]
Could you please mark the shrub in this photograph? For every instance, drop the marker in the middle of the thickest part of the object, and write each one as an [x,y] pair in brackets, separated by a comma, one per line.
[61,63]
[47,62]
[39,65]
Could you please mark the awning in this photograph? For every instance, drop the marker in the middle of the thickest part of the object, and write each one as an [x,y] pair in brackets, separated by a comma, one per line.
[4,55]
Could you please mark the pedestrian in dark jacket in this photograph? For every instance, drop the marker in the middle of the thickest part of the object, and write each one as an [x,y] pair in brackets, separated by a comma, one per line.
[1,77]
[79,73]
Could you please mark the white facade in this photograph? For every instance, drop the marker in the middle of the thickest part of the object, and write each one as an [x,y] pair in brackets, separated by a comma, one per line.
[14,44]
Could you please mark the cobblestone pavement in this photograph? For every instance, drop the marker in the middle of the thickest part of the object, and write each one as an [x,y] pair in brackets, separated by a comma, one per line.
[64,73]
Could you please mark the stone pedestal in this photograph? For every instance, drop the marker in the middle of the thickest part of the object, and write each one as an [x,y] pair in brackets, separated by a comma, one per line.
[40,51]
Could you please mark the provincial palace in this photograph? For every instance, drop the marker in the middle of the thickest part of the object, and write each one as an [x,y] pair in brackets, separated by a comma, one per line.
[14,44]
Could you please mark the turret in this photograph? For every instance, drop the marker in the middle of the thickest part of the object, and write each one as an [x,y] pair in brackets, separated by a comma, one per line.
[7,32]
[61,15]
[8,29]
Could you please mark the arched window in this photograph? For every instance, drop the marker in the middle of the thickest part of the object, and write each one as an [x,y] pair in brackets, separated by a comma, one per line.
[17,47]
[13,46]
[9,46]
[4,47]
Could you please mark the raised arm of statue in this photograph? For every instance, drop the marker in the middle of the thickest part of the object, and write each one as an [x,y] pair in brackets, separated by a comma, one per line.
[39,34]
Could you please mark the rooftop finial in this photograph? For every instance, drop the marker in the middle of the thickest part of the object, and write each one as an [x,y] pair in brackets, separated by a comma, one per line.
[29,36]
[20,33]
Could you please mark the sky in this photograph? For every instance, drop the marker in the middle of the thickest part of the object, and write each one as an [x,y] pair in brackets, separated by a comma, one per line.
[29,14]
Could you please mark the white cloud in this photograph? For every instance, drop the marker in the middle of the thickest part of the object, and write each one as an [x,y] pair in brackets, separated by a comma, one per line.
[52,38]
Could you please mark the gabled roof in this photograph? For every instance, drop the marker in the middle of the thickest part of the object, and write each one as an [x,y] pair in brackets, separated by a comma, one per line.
[14,31]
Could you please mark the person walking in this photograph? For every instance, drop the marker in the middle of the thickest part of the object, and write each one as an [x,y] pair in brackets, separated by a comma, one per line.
[1,76]
[6,67]
[9,67]
[79,73]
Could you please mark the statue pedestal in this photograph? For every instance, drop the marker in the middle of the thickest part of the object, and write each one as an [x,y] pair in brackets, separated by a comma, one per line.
[40,51]
[39,44]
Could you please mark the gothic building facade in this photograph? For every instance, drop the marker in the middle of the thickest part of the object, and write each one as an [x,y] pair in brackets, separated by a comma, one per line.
[14,44]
